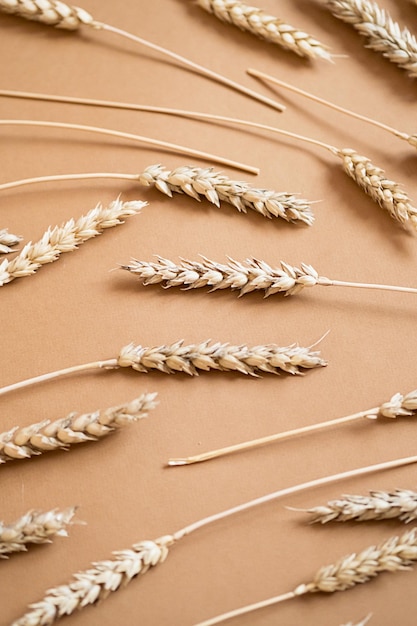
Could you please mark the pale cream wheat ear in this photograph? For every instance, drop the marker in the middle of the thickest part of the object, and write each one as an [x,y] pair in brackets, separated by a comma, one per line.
[198,357]
[103,577]
[378,505]
[245,277]
[136,138]
[393,555]
[398,406]
[383,34]
[61,15]
[255,21]
[201,183]
[33,528]
[411,139]
[61,434]
[65,238]
[8,241]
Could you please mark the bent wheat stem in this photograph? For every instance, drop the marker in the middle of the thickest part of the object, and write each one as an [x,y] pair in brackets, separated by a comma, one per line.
[397,406]
[136,138]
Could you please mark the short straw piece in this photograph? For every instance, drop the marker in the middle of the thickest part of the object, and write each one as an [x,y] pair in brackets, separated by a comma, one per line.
[193,358]
[33,527]
[136,138]
[379,505]
[7,241]
[384,35]
[61,15]
[199,183]
[245,277]
[397,406]
[255,21]
[411,139]
[104,577]
[47,436]
[66,238]
[393,555]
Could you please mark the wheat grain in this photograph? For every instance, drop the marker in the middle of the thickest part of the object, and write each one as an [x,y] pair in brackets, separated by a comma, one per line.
[384,35]
[7,241]
[66,238]
[46,436]
[251,275]
[379,505]
[33,527]
[61,15]
[258,23]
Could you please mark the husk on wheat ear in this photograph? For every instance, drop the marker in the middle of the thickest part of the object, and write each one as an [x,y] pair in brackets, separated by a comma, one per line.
[195,358]
[61,434]
[8,241]
[104,577]
[60,15]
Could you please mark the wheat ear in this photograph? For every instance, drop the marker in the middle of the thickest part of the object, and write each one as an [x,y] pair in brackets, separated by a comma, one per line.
[33,527]
[411,139]
[251,275]
[397,406]
[194,358]
[379,505]
[200,183]
[66,238]
[104,577]
[46,436]
[393,555]
[137,138]
[383,34]
[272,29]
[7,241]
[61,15]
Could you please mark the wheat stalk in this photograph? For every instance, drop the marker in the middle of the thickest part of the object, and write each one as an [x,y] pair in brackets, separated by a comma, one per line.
[200,183]
[104,577]
[33,527]
[398,406]
[379,505]
[61,15]
[272,29]
[393,555]
[194,358]
[411,139]
[384,35]
[46,436]
[251,275]
[66,238]
[7,241]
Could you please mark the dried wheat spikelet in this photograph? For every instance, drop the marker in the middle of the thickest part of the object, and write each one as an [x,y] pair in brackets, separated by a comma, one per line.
[66,238]
[201,183]
[46,436]
[245,277]
[411,139]
[272,29]
[60,15]
[384,35]
[194,358]
[7,241]
[104,577]
[33,527]
[393,555]
[379,505]
[398,406]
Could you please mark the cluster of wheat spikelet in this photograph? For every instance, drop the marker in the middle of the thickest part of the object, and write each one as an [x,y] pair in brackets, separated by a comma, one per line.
[272,29]
[33,527]
[46,436]
[52,12]
[382,32]
[7,241]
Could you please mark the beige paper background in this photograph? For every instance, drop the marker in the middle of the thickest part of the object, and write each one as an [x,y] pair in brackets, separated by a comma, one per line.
[76,311]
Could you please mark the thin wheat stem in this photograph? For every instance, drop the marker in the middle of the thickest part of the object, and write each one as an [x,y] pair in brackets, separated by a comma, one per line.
[247,609]
[63,177]
[344,283]
[139,138]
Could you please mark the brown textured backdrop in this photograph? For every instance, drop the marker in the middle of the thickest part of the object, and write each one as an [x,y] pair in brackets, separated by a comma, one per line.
[76,310]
